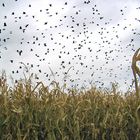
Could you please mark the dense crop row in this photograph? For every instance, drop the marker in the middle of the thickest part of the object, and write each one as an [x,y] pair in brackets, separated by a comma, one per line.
[30,112]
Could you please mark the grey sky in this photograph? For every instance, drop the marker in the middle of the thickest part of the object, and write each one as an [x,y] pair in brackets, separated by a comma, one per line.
[96,38]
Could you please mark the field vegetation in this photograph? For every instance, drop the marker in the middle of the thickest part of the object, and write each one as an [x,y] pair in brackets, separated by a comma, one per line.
[35,112]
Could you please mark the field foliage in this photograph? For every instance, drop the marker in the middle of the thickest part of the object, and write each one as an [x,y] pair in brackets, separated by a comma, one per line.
[35,112]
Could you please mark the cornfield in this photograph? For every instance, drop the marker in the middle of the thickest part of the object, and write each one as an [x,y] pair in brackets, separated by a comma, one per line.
[30,112]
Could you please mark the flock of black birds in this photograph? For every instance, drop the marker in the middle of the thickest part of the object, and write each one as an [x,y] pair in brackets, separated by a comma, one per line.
[76,42]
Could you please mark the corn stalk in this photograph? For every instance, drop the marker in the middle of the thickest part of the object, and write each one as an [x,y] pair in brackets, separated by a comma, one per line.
[136,70]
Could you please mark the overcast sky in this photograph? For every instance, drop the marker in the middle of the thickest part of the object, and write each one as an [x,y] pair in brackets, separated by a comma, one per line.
[91,40]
